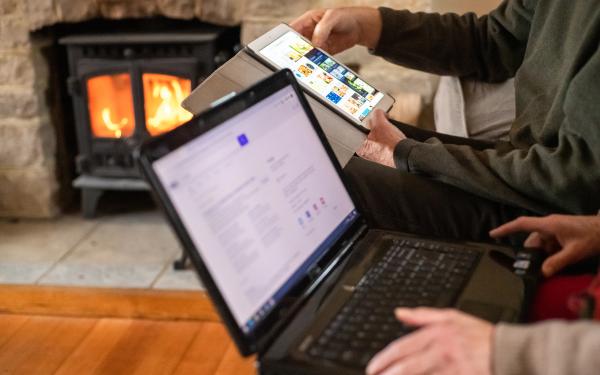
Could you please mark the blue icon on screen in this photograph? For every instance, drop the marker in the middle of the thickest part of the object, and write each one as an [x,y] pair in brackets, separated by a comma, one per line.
[335,98]
[242,140]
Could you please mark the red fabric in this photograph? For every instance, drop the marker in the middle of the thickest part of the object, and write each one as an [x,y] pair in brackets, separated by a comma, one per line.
[594,292]
[551,300]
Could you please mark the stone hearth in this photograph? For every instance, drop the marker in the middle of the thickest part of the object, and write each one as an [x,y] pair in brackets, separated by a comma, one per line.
[28,172]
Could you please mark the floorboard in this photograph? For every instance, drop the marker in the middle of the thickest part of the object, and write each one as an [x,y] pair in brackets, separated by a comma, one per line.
[9,324]
[232,364]
[41,344]
[106,302]
[72,346]
[90,356]
[206,351]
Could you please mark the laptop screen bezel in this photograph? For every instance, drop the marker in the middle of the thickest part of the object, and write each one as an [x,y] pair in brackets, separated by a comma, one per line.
[158,147]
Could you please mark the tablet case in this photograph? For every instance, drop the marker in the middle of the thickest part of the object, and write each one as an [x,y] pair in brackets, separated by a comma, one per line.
[243,70]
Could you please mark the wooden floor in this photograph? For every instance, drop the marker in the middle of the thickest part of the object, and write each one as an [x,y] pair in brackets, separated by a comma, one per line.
[40,345]
[64,330]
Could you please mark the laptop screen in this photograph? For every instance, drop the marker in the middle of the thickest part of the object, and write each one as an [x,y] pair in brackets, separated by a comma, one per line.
[260,199]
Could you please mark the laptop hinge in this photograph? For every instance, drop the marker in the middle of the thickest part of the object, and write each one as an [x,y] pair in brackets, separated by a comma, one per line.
[319,279]
[349,244]
[316,273]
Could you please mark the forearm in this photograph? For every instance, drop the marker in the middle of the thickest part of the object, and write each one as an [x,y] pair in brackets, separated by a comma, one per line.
[550,348]
[542,176]
[540,179]
[488,48]
[369,21]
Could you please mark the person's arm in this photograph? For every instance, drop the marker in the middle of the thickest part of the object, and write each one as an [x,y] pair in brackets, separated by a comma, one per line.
[488,48]
[447,342]
[452,342]
[550,348]
[562,178]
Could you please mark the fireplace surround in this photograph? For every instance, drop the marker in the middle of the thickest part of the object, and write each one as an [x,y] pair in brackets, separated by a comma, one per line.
[36,140]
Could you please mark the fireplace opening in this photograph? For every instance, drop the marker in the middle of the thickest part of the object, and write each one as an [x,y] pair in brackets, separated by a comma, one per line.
[110,105]
[125,81]
[163,95]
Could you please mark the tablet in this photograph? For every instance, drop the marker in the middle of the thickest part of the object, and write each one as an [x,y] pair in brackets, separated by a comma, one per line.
[326,79]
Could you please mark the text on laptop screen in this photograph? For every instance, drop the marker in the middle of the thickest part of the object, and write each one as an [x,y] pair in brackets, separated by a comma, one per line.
[260,199]
[321,73]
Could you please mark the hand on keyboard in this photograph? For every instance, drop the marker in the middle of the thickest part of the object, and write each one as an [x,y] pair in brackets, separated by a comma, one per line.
[411,274]
[448,342]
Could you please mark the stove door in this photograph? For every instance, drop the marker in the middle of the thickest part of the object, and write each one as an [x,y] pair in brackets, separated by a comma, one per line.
[163,94]
[110,105]
[122,102]
[166,83]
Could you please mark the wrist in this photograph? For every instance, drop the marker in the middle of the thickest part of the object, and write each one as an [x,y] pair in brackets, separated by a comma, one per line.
[370,24]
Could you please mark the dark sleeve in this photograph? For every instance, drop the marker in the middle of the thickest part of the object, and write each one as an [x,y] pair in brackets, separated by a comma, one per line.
[488,48]
[564,178]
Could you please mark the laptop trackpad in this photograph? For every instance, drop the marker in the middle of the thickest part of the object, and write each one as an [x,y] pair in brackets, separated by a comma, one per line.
[489,312]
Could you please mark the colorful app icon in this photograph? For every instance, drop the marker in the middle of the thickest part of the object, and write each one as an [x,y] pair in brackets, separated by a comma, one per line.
[334,98]
[304,70]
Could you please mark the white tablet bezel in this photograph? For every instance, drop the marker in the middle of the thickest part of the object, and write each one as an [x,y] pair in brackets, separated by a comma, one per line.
[266,39]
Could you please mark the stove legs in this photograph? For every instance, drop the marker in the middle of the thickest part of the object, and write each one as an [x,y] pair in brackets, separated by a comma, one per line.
[89,201]
[92,189]
[181,263]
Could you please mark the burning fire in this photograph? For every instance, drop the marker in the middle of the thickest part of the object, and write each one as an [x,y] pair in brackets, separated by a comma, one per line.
[163,95]
[110,103]
[111,106]
[112,126]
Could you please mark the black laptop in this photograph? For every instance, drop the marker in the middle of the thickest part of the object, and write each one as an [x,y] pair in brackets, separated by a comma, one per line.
[258,200]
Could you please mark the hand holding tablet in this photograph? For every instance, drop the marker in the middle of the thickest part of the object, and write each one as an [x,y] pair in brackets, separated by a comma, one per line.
[320,74]
[335,30]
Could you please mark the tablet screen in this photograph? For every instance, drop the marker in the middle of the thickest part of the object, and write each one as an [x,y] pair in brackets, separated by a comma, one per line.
[324,75]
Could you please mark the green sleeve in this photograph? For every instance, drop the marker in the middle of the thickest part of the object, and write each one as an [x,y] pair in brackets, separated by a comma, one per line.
[559,177]
[488,48]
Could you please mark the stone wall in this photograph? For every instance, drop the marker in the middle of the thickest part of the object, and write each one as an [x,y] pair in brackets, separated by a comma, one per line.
[27,143]
[28,183]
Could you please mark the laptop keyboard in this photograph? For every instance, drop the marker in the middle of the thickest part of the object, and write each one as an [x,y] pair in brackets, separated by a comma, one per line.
[412,273]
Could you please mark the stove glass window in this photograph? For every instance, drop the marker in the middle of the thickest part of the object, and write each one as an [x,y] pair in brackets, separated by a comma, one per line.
[110,104]
[163,95]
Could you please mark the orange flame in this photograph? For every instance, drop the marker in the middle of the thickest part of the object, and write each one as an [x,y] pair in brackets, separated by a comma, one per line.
[110,104]
[163,95]
[115,127]
[109,96]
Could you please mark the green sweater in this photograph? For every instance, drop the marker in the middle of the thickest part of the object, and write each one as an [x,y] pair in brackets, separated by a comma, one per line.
[552,161]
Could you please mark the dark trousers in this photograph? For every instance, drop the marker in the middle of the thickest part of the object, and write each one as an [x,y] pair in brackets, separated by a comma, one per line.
[395,200]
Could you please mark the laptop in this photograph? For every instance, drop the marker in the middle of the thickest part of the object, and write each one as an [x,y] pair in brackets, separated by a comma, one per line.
[259,201]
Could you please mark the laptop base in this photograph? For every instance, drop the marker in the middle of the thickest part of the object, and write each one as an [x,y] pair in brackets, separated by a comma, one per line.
[289,353]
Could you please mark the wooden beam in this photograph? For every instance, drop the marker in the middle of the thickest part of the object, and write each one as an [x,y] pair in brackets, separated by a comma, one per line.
[105,302]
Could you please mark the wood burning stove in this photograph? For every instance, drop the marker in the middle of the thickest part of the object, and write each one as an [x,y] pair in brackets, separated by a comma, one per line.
[126,88]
